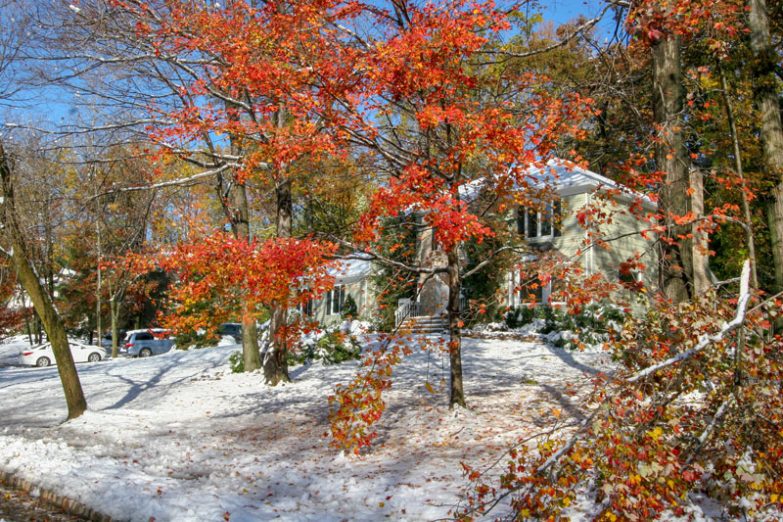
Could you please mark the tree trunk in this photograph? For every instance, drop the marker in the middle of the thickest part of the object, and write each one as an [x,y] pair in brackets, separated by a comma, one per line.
[276,357]
[676,263]
[55,330]
[754,280]
[700,244]
[765,93]
[456,392]
[99,282]
[114,312]
[241,224]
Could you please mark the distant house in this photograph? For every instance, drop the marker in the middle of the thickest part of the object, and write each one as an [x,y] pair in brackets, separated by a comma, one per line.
[553,227]
[352,278]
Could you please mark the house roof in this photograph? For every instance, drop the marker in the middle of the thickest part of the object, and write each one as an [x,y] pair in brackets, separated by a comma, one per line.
[351,270]
[566,177]
[569,179]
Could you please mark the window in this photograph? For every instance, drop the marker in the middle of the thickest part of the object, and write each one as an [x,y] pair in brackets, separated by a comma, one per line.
[144,336]
[521,221]
[557,216]
[534,288]
[335,299]
[546,222]
[533,223]
[306,308]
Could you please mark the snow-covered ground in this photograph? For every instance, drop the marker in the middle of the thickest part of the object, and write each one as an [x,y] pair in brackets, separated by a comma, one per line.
[180,437]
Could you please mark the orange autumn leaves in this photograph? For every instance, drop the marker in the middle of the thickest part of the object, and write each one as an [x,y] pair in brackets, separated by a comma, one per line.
[218,273]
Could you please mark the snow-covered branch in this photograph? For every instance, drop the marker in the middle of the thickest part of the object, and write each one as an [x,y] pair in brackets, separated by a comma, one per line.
[171,183]
[708,339]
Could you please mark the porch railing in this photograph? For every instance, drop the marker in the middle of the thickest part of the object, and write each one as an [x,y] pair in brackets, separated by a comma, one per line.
[407,308]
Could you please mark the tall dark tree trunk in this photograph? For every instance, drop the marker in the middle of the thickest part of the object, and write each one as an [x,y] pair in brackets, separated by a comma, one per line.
[238,213]
[456,391]
[676,263]
[114,312]
[55,330]
[765,93]
[276,356]
[241,225]
[751,242]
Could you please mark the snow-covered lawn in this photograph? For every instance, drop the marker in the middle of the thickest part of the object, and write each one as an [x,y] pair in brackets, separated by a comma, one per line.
[180,437]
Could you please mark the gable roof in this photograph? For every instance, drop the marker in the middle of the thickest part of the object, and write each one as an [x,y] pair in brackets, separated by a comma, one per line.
[351,270]
[569,179]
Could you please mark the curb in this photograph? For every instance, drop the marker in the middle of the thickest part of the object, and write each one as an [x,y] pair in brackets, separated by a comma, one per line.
[49,497]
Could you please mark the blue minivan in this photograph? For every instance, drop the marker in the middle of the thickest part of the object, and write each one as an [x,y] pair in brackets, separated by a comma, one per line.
[145,343]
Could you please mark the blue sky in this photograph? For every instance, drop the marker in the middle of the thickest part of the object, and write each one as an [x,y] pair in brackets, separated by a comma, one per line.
[54,106]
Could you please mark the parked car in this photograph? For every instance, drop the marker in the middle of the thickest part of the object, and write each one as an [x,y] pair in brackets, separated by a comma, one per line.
[145,343]
[42,354]
[231,329]
[106,339]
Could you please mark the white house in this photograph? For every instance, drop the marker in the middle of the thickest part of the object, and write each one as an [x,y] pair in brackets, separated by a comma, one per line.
[554,227]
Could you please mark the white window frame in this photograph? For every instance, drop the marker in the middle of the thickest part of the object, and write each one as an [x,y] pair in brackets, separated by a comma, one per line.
[523,213]
[515,296]
[335,296]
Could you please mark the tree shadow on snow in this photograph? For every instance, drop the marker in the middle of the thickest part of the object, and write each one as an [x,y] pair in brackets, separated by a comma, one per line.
[139,387]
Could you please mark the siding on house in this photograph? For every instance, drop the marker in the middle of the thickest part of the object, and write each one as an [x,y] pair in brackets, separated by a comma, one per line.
[352,278]
[571,244]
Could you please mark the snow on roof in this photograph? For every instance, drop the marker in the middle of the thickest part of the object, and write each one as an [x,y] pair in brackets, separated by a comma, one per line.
[569,178]
[471,190]
[351,270]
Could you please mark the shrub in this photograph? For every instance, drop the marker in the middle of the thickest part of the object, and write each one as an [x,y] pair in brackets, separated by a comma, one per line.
[554,320]
[237,362]
[592,325]
[333,347]
[350,310]
[519,316]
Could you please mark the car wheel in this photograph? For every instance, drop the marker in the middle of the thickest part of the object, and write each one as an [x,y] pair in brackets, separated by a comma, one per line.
[43,362]
[146,352]
[94,357]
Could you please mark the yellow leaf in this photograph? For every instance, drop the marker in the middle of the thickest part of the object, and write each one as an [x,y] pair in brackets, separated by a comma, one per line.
[429,387]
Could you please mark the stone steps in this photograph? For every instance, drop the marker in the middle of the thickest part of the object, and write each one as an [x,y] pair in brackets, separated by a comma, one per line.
[425,324]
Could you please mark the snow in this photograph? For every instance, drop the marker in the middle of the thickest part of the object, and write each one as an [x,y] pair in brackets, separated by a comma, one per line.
[180,437]
[351,270]
[570,178]
[500,330]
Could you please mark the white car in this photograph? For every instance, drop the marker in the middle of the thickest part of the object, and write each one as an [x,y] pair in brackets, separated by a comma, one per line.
[42,355]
